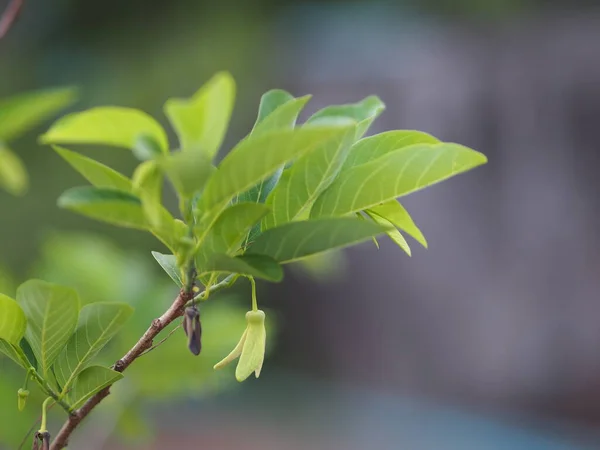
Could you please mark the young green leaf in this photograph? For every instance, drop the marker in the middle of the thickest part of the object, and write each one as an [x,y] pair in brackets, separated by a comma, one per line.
[278,110]
[98,323]
[51,312]
[106,205]
[147,185]
[89,382]
[363,112]
[169,265]
[255,158]
[188,171]
[14,352]
[399,216]
[12,320]
[201,121]
[21,112]
[259,266]
[96,173]
[373,147]
[13,176]
[146,148]
[392,232]
[107,125]
[295,240]
[308,177]
[393,175]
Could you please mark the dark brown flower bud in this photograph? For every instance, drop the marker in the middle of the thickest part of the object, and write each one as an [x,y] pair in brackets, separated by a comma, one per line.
[193,329]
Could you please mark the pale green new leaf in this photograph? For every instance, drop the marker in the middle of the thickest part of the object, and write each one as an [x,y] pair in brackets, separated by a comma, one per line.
[399,216]
[259,266]
[393,233]
[147,185]
[13,176]
[169,265]
[363,112]
[201,121]
[106,125]
[89,382]
[14,352]
[255,158]
[98,323]
[393,175]
[12,320]
[188,171]
[96,173]
[373,147]
[51,312]
[295,240]
[21,112]
[307,178]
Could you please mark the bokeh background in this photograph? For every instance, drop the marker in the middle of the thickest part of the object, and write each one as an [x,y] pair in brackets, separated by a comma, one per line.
[490,339]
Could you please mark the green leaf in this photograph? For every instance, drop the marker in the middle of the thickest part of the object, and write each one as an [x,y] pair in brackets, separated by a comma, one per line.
[51,312]
[14,352]
[278,110]
[259,266]
[307,179]
[146,148]
[95,172]
[12,320]
[295,240]
[228,233]
[255,158]
[169,265]
[106,205]
[147,185]
[188,171]
[397,215]
[393,175]
[201,121]
[24,111]
[363,112]
[373,147]
[393,233]
[107,125]
[13,176]
[91,381]
[98,324]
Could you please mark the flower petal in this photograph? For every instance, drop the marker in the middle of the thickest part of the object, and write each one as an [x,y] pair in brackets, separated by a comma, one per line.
[237,351]
[253,353]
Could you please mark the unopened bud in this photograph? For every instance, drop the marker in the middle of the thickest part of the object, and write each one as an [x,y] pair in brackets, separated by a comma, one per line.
[193,329]
[22,395]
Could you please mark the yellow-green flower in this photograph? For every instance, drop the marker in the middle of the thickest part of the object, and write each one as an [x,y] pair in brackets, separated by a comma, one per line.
[250,349]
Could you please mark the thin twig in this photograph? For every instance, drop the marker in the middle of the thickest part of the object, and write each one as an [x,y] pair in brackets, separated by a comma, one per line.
[162,341]
[10,16]
[141,346]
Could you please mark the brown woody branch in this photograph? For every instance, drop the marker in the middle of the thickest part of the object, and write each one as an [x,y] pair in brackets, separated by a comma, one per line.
[143,344]
[10,16]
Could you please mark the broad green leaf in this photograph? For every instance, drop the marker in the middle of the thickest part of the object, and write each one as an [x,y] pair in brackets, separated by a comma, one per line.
[147,185]
[228,233]
[13,176]
[14,352]
[373,147]
[295,240]
[106,205]
[308,177]
[393,175]
[374,238]
[255,158]
[51,312]
[106,125]
[278,110]
[146,148]
[259,266]
[89,382]
[363,112]
[98,323]
[188,171]
[96,173]
[393,233]
[201,121]
[169,265]
[12,320]
[399,216]
[21,112]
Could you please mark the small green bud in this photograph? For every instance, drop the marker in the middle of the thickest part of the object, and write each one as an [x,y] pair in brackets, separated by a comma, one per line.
[22,395]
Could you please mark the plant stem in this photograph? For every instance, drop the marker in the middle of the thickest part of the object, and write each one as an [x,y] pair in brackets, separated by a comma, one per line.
[49,391]
[254,302]
[43,425]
